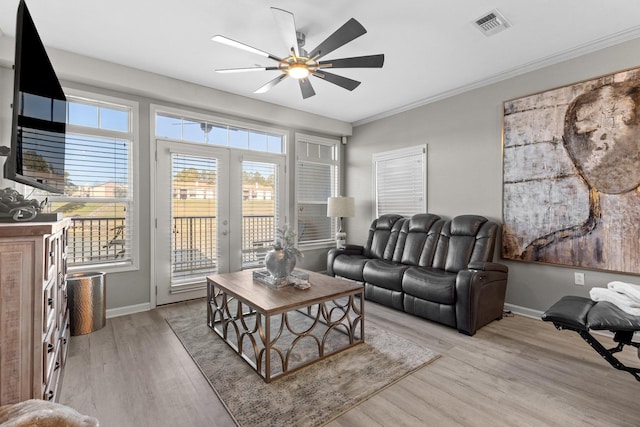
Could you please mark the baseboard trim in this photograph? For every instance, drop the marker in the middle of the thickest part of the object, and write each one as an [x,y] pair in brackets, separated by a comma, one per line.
[130,309]
[524,311]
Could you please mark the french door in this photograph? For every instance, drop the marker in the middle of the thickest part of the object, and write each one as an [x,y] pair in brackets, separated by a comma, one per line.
[217,210]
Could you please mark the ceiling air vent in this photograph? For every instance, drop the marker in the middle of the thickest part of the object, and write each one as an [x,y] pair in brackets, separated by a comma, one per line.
[492,23]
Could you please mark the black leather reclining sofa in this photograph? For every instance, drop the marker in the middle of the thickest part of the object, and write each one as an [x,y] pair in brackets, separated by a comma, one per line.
[437,269]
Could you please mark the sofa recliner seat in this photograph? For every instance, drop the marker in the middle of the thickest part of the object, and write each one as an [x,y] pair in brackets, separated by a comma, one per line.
[436,269]
[349,262]
[431,284]
[383,277]
[580,314]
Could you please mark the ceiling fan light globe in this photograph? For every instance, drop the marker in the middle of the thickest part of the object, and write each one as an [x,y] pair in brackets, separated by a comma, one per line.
[298,71]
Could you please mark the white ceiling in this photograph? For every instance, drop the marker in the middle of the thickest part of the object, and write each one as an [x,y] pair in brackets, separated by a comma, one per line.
[431,48]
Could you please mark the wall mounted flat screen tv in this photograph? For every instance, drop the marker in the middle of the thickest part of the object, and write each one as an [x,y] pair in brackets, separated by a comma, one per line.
[39,113]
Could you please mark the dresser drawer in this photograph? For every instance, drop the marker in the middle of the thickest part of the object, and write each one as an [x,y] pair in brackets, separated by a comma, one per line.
[49,305]
[54,253]
[62,300]
[51,388]
[49,347]
[65,336]
[49,392]
[50,256]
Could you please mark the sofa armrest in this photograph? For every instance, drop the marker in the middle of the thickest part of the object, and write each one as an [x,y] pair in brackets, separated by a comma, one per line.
[480,295]
[488,266]
[334,253]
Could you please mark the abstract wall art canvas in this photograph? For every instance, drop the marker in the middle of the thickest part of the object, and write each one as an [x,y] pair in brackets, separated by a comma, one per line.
[571,175]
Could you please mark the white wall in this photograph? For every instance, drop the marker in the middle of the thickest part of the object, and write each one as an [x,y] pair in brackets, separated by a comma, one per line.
[464,137]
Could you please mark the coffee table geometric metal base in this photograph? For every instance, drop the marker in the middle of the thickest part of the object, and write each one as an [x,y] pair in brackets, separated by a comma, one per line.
[278,331]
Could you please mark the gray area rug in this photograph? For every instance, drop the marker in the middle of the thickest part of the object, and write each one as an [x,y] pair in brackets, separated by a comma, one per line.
[311,396]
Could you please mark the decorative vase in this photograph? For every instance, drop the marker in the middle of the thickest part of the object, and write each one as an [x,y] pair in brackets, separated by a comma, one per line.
[280,262]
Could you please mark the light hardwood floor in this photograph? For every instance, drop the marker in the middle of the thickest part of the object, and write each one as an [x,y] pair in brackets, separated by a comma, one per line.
[514,372]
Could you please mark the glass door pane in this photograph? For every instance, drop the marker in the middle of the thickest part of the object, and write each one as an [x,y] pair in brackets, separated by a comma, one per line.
[193,219]
[259,210]
[192,226]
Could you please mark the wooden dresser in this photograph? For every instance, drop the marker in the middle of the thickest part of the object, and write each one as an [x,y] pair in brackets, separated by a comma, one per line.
[34,320]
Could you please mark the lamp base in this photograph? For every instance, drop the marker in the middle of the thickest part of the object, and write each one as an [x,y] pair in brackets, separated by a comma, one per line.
[341,239]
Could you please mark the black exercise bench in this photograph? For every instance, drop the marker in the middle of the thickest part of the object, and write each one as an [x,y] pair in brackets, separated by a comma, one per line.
[581,314]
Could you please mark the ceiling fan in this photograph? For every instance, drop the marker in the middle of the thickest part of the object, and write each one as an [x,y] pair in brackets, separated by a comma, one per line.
[300,64]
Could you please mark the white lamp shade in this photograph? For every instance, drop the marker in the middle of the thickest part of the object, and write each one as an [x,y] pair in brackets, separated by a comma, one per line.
[341,207]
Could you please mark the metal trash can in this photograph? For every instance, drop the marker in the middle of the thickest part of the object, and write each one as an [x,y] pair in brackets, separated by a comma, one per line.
[86,302]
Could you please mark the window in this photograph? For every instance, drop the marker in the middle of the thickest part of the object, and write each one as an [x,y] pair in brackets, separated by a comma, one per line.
[99,186]
[316,180]
[175,126]
[400,181]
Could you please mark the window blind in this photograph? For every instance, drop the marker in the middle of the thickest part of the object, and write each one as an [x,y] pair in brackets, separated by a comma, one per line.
[314,187]
[99,196]
[316,180]
[400,181]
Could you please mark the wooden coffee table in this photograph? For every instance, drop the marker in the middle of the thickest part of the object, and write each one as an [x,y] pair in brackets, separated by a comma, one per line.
[280,330]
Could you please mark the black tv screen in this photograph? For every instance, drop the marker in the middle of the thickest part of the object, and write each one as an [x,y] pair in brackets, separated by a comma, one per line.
[39,113]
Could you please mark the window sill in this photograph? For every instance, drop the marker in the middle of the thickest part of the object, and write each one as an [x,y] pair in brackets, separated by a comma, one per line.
[316,246]
[107,268]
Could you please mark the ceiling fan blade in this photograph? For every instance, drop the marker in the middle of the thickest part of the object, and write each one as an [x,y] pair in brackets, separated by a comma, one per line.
[238,45]
[306,88]
[271,84]
[351,30]
[287,25]
[244,70]
[341,81]
[369,61]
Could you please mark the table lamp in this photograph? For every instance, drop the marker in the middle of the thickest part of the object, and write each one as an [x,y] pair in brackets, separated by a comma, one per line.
[341,207]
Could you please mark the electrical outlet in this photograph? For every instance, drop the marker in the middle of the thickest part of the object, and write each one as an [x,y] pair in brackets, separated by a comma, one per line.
[579,278]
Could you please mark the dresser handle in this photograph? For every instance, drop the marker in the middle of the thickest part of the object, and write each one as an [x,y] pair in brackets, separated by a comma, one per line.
[49,348]
[50,301]
[57,366]
[50,395]
[51,253]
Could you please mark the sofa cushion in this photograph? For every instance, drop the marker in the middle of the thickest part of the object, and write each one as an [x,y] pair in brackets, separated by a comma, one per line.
[420,229]
[464,239]
[385,274]
[383,236]
[350,266]
[430,284]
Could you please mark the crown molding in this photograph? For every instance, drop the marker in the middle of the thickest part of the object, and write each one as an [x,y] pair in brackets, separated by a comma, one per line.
[605,42]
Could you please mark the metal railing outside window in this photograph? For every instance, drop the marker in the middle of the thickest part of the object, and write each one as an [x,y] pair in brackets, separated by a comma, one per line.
[194,248]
